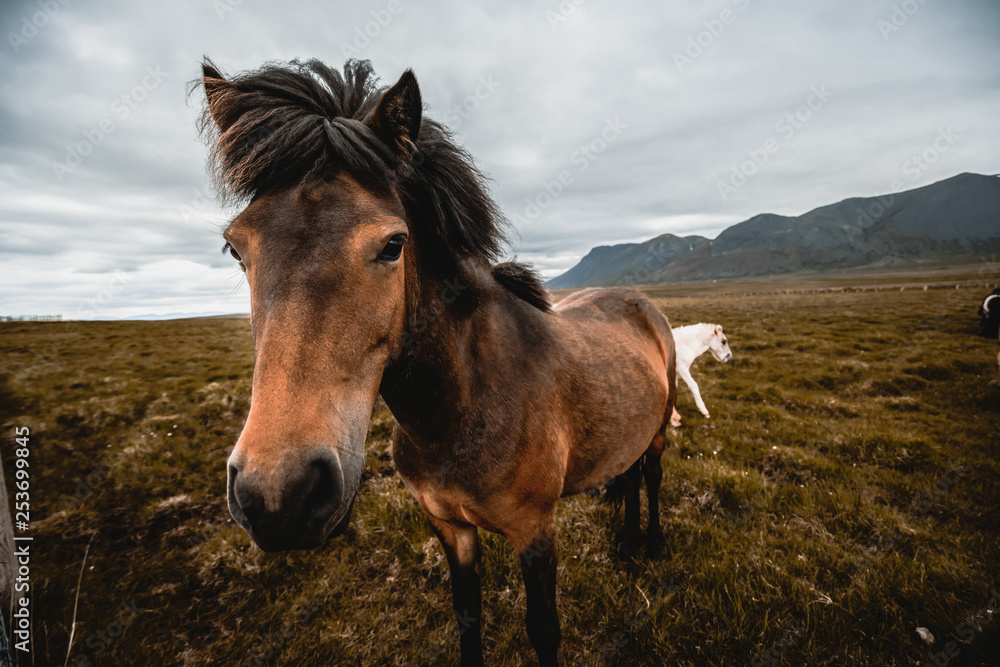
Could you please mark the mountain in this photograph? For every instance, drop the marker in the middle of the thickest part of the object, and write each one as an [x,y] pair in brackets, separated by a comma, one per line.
[956,216]
[628,263]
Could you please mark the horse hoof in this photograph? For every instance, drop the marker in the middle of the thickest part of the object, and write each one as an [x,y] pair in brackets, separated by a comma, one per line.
[655,546]
[626,551]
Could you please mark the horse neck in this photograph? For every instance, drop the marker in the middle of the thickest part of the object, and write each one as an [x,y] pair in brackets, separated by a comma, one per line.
[426,385]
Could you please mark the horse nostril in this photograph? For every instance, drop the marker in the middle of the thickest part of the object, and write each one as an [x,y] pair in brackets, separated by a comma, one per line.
[247,494]
[246,500]
[323,489]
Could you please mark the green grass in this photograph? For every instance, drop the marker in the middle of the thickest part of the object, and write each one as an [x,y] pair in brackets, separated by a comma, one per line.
[803,523]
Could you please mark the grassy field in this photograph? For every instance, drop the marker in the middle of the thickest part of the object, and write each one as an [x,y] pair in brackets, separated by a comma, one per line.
[845,492]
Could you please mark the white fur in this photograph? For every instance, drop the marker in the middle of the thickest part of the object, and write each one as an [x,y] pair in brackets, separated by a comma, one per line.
[691,342]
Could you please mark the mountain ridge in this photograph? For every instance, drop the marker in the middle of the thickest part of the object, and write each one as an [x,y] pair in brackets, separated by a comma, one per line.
[955,216]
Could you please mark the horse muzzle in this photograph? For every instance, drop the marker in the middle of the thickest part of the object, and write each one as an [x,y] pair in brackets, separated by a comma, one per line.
[296,507]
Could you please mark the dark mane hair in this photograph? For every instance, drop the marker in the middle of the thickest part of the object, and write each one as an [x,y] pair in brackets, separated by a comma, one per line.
[523,281]
[287,122]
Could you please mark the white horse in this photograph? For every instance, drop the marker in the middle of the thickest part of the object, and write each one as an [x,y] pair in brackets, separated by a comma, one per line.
[692,341]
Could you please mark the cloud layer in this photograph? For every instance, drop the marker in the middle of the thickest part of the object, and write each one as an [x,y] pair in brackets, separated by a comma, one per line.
[598,122]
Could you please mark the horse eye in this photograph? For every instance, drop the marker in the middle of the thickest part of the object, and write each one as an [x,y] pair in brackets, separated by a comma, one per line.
[232,251]
[393,249]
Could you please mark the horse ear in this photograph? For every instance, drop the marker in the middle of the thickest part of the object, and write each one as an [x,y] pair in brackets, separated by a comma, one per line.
[396,120]
[219,95]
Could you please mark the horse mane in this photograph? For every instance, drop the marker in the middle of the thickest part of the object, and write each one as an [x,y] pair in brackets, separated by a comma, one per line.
[276,126]
[524,282]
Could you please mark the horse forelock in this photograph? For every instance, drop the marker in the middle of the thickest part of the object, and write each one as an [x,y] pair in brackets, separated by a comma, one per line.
[284,124]
[281,124]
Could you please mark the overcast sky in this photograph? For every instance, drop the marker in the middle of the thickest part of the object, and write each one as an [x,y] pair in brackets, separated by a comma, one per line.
[649,111]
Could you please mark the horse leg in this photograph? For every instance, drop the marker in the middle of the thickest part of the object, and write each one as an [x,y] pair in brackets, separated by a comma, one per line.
[461,546]
[538,554]
[630,536]
[654,475]
[685,374]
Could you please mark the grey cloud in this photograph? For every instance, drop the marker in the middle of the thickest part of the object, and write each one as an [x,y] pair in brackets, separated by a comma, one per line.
[141,195]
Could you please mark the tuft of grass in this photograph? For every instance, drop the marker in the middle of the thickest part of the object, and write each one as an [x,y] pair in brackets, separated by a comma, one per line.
[845,491]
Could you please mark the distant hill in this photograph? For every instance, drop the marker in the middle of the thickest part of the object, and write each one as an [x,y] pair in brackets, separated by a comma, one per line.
[628,263]
[956,216]
[215,314]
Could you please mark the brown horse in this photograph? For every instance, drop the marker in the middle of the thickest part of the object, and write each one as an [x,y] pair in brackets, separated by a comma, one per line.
[368,242]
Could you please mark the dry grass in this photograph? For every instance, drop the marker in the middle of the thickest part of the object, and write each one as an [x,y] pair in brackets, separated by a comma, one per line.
[845,492]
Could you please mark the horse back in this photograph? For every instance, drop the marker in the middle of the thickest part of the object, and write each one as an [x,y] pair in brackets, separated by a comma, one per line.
[600,308]
[619,383]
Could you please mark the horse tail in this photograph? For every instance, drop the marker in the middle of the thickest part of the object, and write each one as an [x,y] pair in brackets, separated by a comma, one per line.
[671,375]
[614,492]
